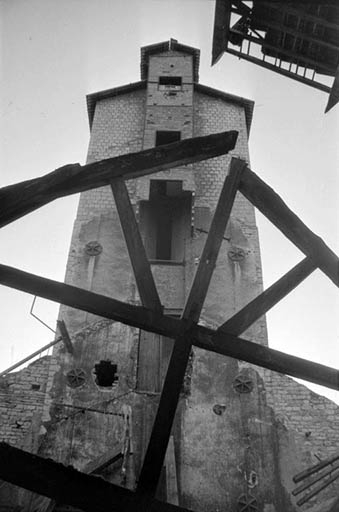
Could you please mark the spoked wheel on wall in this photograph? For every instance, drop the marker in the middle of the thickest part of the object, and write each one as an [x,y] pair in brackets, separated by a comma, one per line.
[247,503]
[76,377]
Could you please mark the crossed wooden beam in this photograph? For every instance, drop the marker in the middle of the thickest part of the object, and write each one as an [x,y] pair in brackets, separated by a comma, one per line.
[19,199]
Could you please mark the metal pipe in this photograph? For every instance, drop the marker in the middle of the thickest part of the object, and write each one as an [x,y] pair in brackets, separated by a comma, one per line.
[305,486]
[316,491]
[308,472]
[42,349]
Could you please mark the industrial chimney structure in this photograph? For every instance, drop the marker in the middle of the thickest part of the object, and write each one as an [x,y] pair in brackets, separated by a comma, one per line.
[240,432]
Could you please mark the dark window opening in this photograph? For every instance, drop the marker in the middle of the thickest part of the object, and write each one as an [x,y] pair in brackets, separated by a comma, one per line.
[35,387]
[165,220]
[170,82]
[166,137]
[106,374]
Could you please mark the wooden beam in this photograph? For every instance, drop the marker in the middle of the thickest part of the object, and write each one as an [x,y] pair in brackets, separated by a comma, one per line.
[22,198]
[100,463]
[164,419]
[334,93]
[136,250]
[222,17]
[65,336]
[265,357]
[269,298]
[273,207]
[213,243]
[69,486]
[143,318]
[135,316]
[280,71]
[171,474]
[161,431]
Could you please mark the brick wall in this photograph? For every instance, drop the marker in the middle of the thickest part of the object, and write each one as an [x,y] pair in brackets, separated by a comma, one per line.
[22,396]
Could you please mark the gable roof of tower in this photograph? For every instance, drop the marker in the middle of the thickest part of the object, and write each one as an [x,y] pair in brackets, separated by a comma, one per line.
[166,46]
[92,99]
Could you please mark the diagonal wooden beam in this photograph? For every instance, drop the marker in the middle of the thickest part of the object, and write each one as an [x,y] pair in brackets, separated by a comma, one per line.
[141,267]
[22,198]
[273,207]
[161,431]
[69,486]
[72,296]
[269,298]
[148,320]
[213,243]
[156,451]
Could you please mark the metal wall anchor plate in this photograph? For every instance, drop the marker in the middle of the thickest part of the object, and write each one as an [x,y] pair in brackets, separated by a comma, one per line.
[93,248]
[236,254]
[247,503]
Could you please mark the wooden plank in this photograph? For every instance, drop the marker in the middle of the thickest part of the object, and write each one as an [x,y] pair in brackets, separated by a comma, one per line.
[269,298]
[102,462]
[265,357]
[92,468]
[143,318]
[156,451]
[137,316]
[136,250]
[67,485]
[65,336]
[149,362]
[171,474]
[213,242]
[334,93]
[22,198]
[222,16]
[161,431]
[273,207]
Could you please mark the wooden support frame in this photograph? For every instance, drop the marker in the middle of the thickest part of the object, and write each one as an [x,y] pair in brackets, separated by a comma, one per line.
[67,485]
[269,298]
[186,331]
[22,198]
[65,336]
[273,207]
[164,419]
[148,320]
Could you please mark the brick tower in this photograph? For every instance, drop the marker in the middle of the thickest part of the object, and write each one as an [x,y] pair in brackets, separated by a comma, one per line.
[239,432]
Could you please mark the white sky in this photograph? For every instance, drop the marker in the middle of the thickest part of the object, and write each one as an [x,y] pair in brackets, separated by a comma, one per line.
[54,53]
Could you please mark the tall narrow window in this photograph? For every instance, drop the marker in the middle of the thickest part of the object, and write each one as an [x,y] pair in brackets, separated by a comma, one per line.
[166,137]
[165,220]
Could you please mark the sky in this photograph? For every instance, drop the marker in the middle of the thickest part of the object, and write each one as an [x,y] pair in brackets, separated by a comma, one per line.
[54,53]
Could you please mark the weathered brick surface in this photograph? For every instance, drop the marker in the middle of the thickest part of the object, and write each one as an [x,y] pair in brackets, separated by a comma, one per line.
[22,395]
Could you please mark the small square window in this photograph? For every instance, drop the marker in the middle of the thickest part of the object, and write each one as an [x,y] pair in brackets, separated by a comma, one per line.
[170,82]
[166,137]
